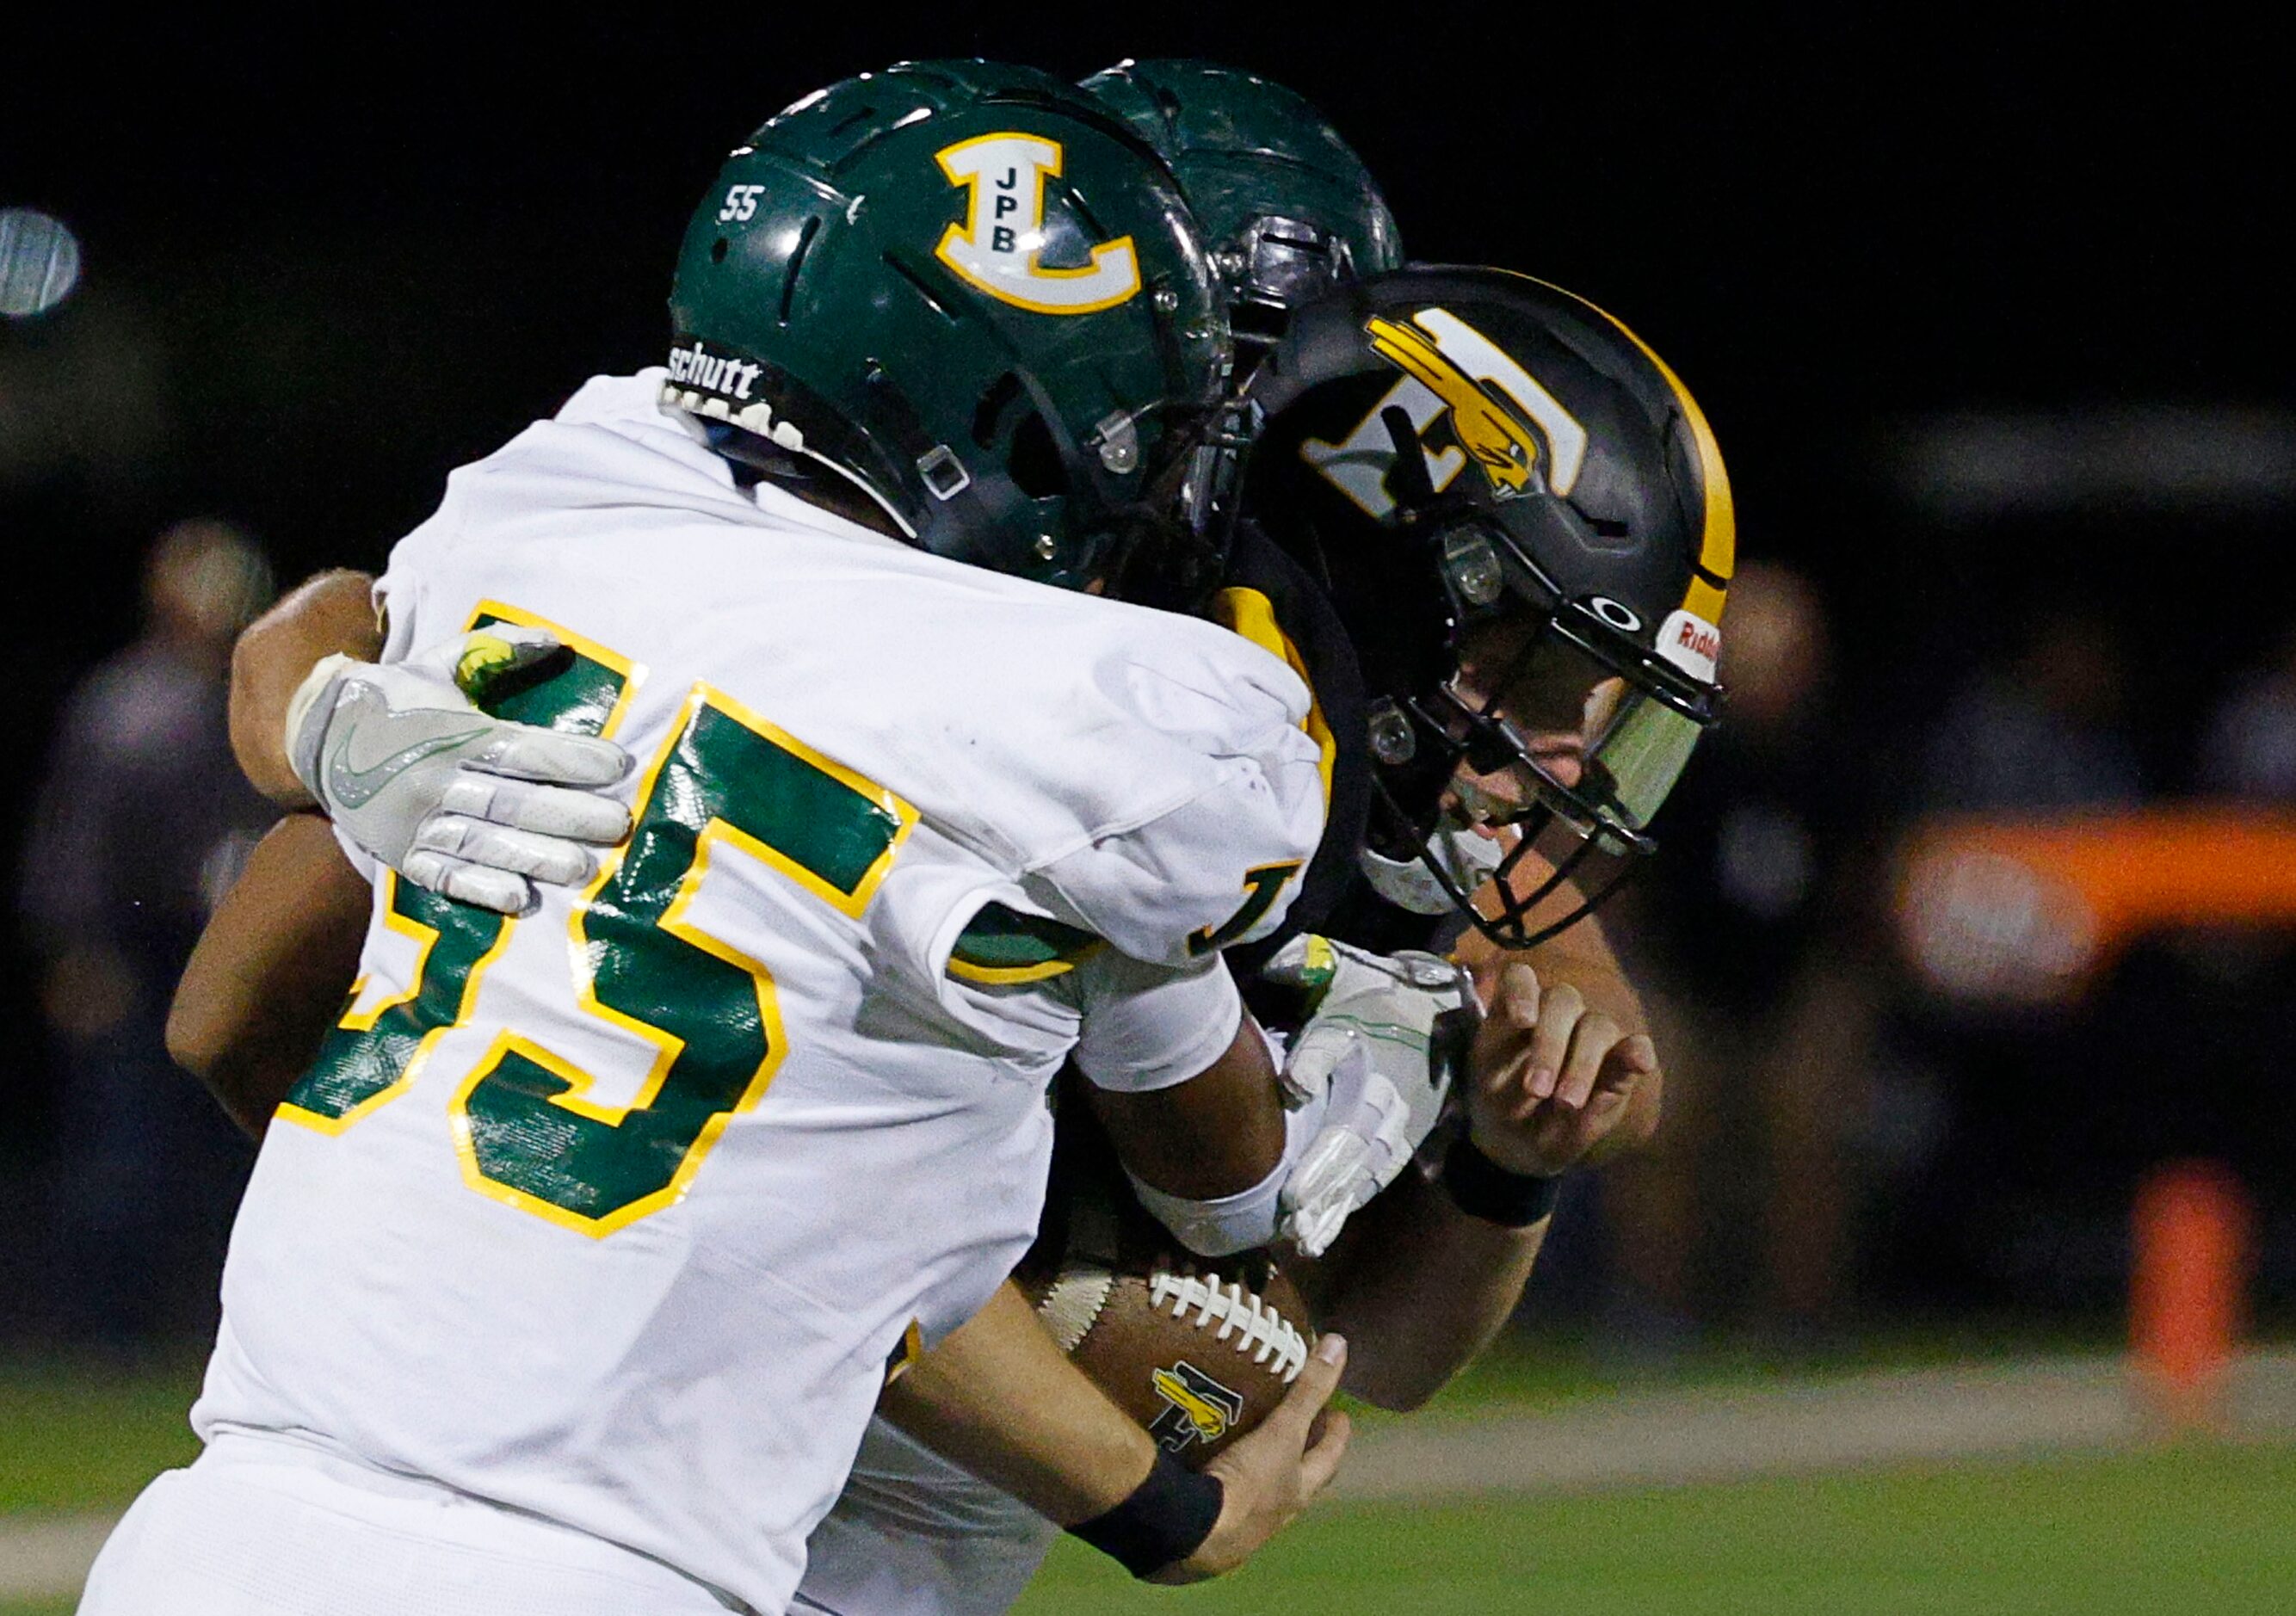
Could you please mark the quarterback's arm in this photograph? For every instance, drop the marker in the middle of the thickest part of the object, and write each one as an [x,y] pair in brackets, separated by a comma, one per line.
[1563,1074]
[329,614]
[998,1396]
[1073,1457]
[269,974]
[1424,1286]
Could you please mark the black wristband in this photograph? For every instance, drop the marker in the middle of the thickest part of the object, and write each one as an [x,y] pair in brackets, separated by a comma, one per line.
[1167,1518]
[1481,1189]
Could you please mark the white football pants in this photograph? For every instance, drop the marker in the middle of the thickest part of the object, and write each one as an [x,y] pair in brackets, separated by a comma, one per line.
[914,1535]
[263,1527]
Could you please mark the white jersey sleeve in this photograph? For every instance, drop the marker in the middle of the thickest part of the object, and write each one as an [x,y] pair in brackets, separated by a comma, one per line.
[1148,1027]
[1220,866]
[397,594]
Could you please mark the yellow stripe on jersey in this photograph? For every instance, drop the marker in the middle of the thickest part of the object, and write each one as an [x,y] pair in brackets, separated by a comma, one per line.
[1252,615]
[1001,947]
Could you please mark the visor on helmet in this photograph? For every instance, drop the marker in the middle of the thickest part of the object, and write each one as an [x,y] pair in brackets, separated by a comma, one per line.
[1563,739]
[1575,715]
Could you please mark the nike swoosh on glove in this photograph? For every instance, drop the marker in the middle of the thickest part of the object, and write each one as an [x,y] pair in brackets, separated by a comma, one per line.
[473,807]
[1377,1055]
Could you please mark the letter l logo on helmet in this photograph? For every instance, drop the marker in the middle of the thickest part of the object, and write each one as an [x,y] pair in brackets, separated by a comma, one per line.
[997,247]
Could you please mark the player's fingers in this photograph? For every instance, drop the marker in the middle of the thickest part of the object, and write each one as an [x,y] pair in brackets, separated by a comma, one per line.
[496,847]
[496,890]
[1629,1063]
[1319,1378]
[1513,1013]
[1327,1446]
[1591,1043]
[548,810]
[524,752]
[1560,1007]
[1501,1056]
[1603,1113]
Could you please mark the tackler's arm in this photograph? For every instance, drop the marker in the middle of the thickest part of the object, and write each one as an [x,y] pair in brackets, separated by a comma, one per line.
[271,971]
[330,614]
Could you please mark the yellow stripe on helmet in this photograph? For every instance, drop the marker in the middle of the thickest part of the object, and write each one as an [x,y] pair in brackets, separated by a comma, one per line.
[1717,549]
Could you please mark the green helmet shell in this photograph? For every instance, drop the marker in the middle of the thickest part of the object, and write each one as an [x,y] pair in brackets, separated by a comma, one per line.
[969,289]
[1286,204]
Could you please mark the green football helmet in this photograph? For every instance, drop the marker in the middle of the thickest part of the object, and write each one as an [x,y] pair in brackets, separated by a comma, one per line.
[1290,212]
[1288,207]
[970,290]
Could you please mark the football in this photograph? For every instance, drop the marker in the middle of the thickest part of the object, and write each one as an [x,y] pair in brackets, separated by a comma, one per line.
[1196,1356]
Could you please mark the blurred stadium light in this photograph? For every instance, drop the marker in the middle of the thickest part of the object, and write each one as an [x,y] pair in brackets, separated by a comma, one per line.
[1977,465]
[2023,910]
[1980,923]
[39,262]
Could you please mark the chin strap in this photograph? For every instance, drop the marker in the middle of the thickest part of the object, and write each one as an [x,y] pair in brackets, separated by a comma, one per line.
[1467,859]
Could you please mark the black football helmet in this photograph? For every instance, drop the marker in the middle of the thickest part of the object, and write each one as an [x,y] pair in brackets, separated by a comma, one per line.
[1522,517]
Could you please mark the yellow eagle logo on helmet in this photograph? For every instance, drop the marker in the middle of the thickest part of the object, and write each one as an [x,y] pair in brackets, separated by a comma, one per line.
[1501,418]
[1502,446]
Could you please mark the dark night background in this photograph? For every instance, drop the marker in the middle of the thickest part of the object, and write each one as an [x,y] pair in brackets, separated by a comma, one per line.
[326,261]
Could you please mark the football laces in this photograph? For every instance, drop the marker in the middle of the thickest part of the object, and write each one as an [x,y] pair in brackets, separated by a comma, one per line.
[1257,1328]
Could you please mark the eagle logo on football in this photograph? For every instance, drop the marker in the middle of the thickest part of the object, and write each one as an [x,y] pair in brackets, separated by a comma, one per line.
[1196,1407]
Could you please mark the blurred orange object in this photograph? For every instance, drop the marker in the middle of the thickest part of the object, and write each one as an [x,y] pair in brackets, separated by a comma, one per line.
[2023,910]
[2187,1293]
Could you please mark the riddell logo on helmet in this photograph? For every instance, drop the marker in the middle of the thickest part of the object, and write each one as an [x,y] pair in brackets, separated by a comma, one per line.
[1000,246]
[1691,643]
[695,366]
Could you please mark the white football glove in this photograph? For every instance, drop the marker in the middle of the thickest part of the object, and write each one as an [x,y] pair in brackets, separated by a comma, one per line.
[1377,1055]
[473,807]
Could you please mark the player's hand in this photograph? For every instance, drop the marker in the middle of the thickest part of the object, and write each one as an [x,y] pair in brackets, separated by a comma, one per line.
[1268,1477]
[473,807]
[1550,1079]
[1376,1056]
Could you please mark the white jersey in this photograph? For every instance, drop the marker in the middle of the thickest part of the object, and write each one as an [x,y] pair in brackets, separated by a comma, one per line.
[616,1213]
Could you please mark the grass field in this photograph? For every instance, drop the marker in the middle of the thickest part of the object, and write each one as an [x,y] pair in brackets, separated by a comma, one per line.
[80,1438]
[2201,1528]
[2195,1532]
